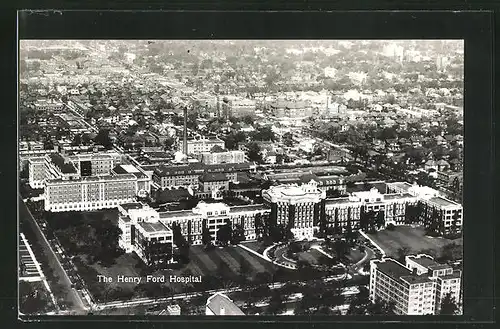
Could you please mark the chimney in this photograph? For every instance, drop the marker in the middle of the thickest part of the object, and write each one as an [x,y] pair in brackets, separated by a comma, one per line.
[184,145]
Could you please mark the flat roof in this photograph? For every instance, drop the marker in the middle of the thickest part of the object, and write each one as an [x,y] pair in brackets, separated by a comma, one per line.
[397,271]
[132,205]
[94,178]
[177,214]
[253,207]
[442,201]
[394,196]
[423,260]
[401,185]
[152,227]
[337,200]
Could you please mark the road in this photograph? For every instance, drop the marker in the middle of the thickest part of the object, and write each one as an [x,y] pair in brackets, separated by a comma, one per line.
[72,294]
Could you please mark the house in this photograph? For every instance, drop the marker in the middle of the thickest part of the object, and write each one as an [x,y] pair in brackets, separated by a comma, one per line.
[392,145]
[416,141]
[443,165]
[431,164]
[456,165]
[440,140]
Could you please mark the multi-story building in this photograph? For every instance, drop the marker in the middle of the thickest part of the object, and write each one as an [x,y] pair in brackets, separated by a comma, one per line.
[144,234]
[415,289]
[188,174]
[50,166]
[198,146]
[213,186]
[223,157]
[92,164]
[447,279]
[36,172]
[89,193]
[346,212]
[190,222]
[143,181]
[298,208]
[436,211]
[178,176]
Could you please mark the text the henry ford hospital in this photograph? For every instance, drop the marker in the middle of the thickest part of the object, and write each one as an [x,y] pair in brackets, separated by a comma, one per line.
[149,279]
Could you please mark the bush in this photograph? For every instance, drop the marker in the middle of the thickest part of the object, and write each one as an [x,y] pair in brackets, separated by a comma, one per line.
[390,227]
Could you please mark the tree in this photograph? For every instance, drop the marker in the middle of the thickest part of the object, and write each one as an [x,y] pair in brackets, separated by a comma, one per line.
[402,253]
[382,307]
[448,305]
[168,143]
[216,149]
[205,235]
[359,305]
[276,305]
[77,140]
[254,152]
[238,234]
[224,233]
[103,139]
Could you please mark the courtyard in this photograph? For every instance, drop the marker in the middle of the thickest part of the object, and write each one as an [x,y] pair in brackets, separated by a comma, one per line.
[412,238]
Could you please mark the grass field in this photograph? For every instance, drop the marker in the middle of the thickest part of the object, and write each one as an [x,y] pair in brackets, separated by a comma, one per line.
[311,256]
[206,262]
[413,238]
[355,255]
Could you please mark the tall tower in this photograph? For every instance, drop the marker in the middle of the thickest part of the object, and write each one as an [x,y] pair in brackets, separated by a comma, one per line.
[184,140]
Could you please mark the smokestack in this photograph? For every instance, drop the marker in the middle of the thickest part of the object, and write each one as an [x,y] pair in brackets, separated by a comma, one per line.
[184,145]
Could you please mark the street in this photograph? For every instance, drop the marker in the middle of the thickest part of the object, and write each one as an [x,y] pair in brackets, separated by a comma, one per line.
[72,294]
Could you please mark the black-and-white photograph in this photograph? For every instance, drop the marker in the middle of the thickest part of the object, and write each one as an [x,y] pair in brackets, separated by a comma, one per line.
[240,177]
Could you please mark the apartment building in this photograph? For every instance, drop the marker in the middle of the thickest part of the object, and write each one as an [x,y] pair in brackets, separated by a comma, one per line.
[416,288]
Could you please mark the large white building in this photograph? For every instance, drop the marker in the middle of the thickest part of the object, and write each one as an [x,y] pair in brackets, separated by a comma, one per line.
[295,207]
[433,207]
[89,193]
[138,220]
[416,288]
[223,157]
[203,145]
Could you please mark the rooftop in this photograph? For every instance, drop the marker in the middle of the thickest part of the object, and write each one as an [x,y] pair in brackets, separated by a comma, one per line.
[153,227]
[220,304]
[213,177]
[423,260]
[443,202]
[397,271]
[62,164]
[95,178]
[337,201]
[254,207]
[131,205]
[128,169]
[177,214]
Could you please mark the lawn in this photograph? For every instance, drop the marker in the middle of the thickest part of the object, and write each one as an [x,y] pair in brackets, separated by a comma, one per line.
[413,238]
[312,256]
[256,246]
[355,255]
